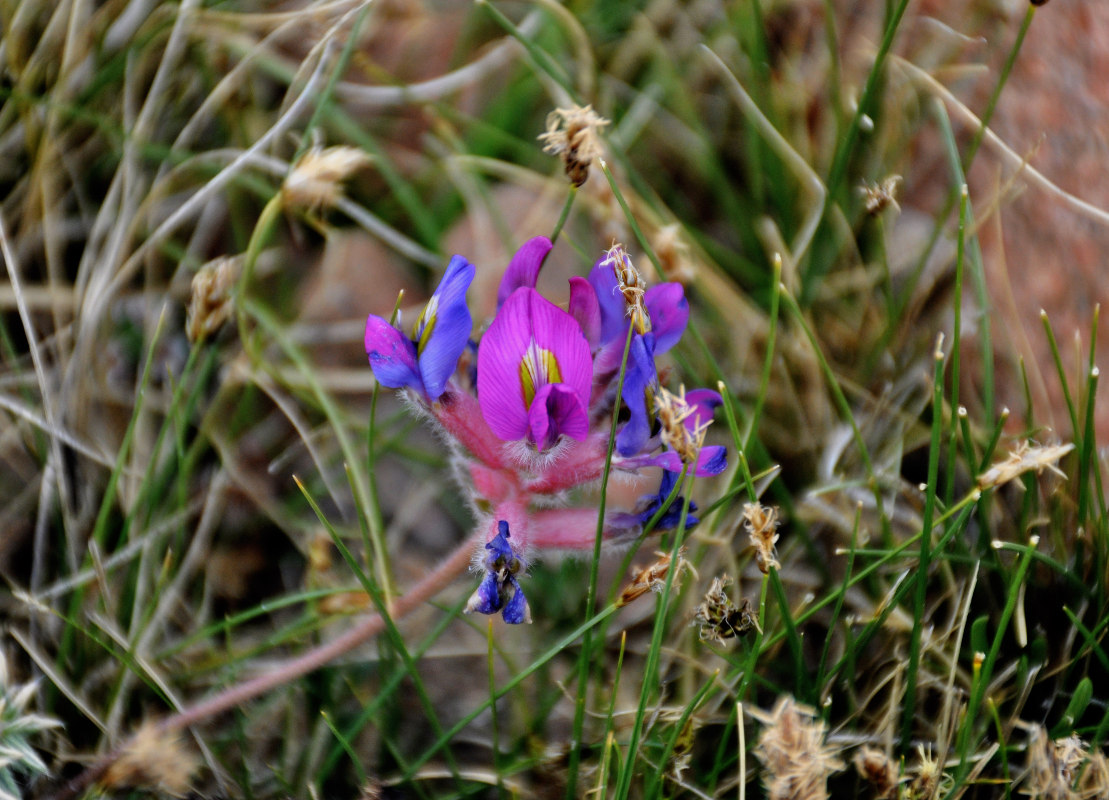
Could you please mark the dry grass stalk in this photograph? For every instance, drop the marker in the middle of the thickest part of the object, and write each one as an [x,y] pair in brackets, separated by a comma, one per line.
[793,752]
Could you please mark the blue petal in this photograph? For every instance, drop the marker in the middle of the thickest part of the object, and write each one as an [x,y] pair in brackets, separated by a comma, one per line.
[673,516]
[669,312]
[712,460]
[498,545]
[640,374]
[452,325]
[516,609]
[613,308]
[392,356]
[487,598]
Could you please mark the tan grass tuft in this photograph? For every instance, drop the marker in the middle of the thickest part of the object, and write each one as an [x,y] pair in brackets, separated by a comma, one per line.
[1064,769]
[793,752]
[153,759]
[314,182]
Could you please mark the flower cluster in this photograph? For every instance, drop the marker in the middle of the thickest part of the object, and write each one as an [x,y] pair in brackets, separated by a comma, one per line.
[528,420]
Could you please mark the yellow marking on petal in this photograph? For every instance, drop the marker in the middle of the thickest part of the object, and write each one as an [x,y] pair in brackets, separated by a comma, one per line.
[430,315]
[538,367]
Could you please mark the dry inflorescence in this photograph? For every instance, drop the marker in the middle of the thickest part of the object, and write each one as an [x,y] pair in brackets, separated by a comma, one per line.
[1065,769]
[574,134]
[718,617]
[762,526]
[314,182]
[794,754]
[1025,458]
[652,578]
[154,759]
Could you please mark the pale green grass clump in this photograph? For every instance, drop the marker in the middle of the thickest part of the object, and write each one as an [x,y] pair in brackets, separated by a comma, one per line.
[897,580]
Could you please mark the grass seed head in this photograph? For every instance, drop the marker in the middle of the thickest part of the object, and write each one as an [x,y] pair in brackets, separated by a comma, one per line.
[210,304]
[762,526]
[719,618]
[1025,458]
[652,578]
[314,182]
[673,410]
[794,754]
[1064,769]
[631,284]
[574,134]
[153,759]
[877,197]
[879,770]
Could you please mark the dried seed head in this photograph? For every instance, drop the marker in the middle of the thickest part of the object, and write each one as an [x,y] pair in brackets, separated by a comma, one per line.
[1025,458]
[210,304]
[631,285]
[653,577]
[880,196]
[573,133]
[718,617]
[1064,769]
[879,770]
[152,759]
[762,526]
[928,777]
[673,411]
[673,254]
[794,754]
[313,183]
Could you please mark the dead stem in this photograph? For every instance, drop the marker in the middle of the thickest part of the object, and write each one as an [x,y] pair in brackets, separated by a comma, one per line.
[436,580]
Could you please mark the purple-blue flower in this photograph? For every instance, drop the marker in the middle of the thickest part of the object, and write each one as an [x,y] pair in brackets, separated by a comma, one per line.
[499,590]
[427,360]
[534,372]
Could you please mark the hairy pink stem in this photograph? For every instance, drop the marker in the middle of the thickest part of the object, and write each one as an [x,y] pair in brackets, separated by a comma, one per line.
[459,413]
[294,668]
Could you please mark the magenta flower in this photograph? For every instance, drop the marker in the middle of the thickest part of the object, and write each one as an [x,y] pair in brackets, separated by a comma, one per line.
[523,269]
[427,360]
[534,372]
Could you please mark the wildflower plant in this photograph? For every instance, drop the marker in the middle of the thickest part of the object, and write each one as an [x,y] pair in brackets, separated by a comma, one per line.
[530,423]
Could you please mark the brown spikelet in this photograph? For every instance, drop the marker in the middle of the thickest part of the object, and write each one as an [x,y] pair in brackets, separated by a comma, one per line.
[631,285]
[314,182]
[653,577]
[573,133]
[793,752]
[684,437]
[877,197]
[153,759]
[762,526]
[879,770]
[719,618]
[210,304]
[673,254]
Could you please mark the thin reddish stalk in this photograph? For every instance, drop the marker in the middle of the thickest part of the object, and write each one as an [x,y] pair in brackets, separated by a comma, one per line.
[435,581]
